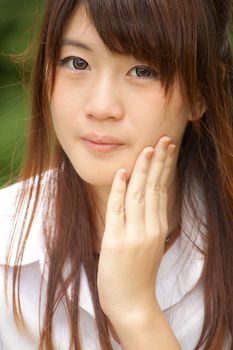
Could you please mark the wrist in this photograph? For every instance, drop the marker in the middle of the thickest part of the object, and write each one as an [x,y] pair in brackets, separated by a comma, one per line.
[137,317]
[144,330]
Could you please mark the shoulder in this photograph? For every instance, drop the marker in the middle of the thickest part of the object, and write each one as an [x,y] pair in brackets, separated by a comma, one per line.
[10,219]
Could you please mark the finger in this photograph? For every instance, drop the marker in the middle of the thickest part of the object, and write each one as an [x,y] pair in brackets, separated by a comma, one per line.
[135,196]
[154,188]
[115,213]
[164,184]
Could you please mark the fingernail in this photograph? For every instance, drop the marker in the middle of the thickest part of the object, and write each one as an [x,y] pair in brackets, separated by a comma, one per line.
[149,153]
[171,150]
[166,143]
[122,174]
[163,144]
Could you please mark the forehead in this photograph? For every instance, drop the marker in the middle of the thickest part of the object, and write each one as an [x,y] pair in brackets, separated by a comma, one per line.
[79,25]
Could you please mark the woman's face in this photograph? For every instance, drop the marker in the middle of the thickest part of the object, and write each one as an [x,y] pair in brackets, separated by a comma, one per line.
[98,92]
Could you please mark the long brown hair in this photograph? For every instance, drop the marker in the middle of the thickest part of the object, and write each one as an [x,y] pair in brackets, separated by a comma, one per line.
[187,39]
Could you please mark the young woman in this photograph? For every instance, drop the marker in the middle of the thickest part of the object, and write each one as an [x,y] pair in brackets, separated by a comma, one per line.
[118,233]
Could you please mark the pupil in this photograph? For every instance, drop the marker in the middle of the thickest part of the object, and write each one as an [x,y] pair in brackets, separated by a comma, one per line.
[143,70]
[79,63]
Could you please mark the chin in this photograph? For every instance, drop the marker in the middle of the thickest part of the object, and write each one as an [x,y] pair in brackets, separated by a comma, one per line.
[96,177]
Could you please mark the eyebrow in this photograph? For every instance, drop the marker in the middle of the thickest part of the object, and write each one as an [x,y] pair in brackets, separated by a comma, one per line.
[75,43]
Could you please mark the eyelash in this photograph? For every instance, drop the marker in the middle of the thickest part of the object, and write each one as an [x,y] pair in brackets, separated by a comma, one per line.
[66,60]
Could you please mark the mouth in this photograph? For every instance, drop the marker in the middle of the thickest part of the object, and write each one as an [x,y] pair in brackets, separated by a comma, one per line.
[102,139]
[100,146]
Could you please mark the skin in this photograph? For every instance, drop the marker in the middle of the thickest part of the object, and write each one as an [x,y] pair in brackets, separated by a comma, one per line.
[110,97]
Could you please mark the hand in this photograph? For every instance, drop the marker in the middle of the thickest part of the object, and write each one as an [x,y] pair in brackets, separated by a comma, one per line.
[135,232]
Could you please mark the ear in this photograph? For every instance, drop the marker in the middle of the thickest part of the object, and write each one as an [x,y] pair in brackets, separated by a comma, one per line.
[199,110]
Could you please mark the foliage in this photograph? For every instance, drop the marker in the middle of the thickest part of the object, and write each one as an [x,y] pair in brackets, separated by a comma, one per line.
[17,29]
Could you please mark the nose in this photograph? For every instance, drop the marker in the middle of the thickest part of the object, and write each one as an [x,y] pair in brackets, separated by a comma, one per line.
[103,99]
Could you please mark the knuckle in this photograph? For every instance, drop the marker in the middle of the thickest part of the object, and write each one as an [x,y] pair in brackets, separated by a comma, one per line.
[143,168]
[161,157]
[162,230]
[157,232]
[135,242]
[138,196]
[117,208]
[163,190]
[156,188]
[111,245]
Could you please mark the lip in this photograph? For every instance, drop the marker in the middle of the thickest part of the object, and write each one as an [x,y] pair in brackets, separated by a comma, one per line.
[104,139]
[101,147]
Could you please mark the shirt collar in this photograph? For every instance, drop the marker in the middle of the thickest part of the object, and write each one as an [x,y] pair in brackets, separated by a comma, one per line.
[180,268]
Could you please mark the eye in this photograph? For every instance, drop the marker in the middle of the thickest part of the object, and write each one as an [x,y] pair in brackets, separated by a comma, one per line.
[74,63]
[145,72]
[78,64]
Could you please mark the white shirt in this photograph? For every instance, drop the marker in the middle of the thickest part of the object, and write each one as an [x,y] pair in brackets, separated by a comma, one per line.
[179,288]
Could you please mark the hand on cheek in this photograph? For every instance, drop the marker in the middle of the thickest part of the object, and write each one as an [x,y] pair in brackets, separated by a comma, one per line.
[135,232]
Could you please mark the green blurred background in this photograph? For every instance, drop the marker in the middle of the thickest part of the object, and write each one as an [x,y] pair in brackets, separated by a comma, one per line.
[17,30]
[19,22]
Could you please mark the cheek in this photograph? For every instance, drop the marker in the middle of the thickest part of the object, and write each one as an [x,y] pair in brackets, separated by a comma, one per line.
[61,104]
[155,119]
[176,121]
[170,116]
[66,99]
